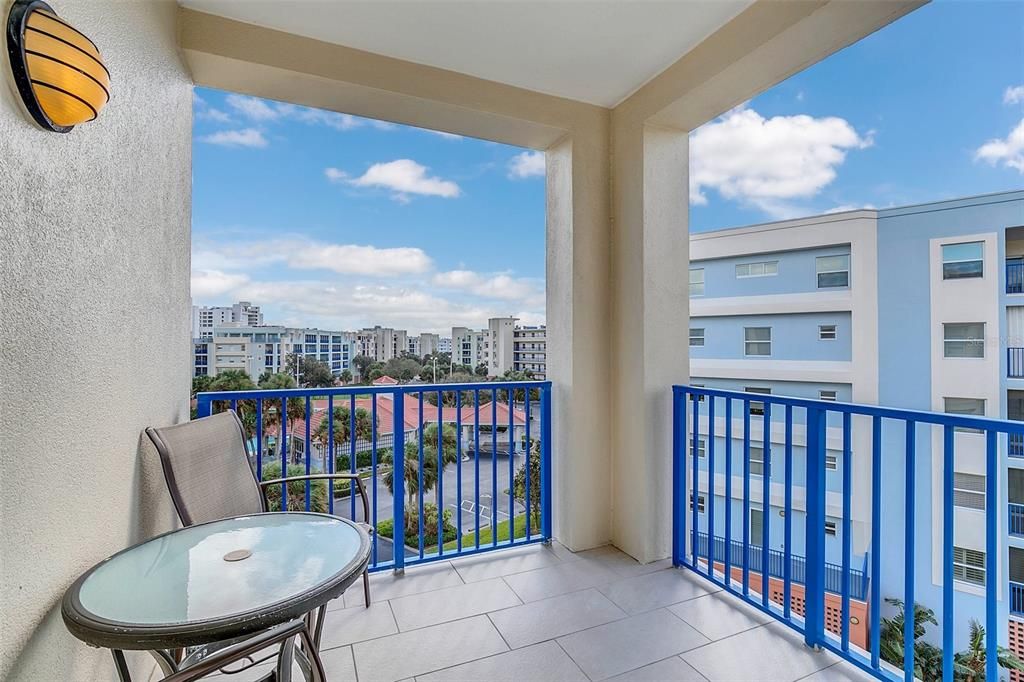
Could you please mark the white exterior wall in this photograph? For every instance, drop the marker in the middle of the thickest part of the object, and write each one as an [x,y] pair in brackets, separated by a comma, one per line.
[96,228]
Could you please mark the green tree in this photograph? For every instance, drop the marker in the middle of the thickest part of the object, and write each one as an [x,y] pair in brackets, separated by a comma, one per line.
[296,490]
[278,381]
[969,665]
[311,372]
[927,657]
[201,384]
[519,485]
[481,370]
[342,427]
[362,364]
[404,369]
[448,396]
[432,467]
[345,376]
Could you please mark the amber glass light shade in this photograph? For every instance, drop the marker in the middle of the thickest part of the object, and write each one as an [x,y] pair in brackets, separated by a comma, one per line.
[58,71]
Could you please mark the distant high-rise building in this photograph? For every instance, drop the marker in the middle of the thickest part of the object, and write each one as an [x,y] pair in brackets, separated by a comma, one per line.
[205,318]
[530,351]
[444,344]
[424,344]
[492,347]
[382,343]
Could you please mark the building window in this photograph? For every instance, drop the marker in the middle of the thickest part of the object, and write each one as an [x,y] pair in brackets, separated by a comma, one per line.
[756,460]
[969,565]
[756,526]
[697,282]
[831,462]
[833,271]
[961,261]
[827,332]
[698,396]
[764,269]
[757,407]
[696,336]
[700,504]
[969,491]
[964,339]
[757,341]
[831,528]
[970,406]
[702,447]
[827,394]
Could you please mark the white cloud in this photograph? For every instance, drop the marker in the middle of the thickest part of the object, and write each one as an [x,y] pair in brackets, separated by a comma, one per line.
[253,107]
[769,162]
[249,137]
[1008,151]
[441,133]
[402,176]
[526,165]
[842,208]
[1013,94]
[499,286]
[214,283]
[301,253]
[205,112]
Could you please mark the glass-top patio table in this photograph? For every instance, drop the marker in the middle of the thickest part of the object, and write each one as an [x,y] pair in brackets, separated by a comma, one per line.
[238,582]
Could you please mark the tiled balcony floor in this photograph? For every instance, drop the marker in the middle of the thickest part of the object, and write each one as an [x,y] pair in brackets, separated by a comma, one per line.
[544,613]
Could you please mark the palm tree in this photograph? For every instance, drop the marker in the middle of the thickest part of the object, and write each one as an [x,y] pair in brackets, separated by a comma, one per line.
[969,665]
[927,657]
[412,478]
[342,420]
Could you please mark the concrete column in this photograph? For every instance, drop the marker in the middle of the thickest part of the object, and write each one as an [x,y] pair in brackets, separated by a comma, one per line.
[650,328]
[579,347]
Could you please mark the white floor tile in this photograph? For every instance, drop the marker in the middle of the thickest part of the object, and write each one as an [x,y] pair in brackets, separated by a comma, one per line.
[772,653]
[840,672]
[387,585]
[544,661]
[559,579]
[623,564]
[548,618]
[452,603]
[719,615]
[624,645]
[672,669]
[655,590]
[407,654]
[504,562]
[357,623]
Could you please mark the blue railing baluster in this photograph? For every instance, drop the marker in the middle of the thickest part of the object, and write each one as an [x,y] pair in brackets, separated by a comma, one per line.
[419,475]
[458,469]
[397,478]
[259,439]
[494,467]
[511,467]
[909,535]
[546,482]
[373,468]
[309,450]
[947,553]
[787,578]
[352,429]
[709,503]
[440,474]
[678,476]
[766,502]
[847,540]
[728,492]
[991,556]
[694,491]
[746,496]
[284,452]
[329,463]
[814,604]
[528,450]
[476,465]
[875,627]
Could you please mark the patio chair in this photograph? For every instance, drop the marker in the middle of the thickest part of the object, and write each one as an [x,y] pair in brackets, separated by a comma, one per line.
[209,474]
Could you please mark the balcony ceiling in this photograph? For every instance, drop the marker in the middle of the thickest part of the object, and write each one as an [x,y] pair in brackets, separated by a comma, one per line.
[599,51]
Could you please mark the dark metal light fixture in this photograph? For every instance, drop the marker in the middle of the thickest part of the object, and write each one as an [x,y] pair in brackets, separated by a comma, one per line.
[57,71]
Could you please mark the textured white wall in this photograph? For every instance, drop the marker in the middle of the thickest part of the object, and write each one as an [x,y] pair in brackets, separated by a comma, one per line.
[95,234]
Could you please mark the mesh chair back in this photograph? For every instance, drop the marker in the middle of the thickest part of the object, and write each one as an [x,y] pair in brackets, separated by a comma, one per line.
[206,466]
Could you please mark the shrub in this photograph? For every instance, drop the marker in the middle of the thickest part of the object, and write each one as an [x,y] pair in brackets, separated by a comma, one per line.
[386,528]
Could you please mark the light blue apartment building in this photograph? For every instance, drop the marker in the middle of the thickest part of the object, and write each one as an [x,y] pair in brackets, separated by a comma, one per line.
[918,307]
[259,349]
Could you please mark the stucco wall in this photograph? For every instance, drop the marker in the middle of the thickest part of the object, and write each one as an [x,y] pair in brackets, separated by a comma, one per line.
[94,315]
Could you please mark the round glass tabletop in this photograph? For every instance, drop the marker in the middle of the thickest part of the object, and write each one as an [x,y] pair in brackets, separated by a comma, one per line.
[222,570]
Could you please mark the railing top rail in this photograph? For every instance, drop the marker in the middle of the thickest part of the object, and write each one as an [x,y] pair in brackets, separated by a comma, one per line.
[367,390]
[936,418]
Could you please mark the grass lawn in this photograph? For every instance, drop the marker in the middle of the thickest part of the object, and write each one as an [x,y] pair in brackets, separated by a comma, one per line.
[469,539]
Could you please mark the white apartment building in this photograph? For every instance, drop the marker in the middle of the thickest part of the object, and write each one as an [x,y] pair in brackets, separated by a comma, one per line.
[530,351]
[493,346]
[205,318]
[381,343]
[424,344]
[259,349]
[444,344]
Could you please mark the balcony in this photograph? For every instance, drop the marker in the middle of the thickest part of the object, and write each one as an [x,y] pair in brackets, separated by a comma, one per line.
[1016,520]
[545,613]
[1015,363]
[1016,598]
[1015,277]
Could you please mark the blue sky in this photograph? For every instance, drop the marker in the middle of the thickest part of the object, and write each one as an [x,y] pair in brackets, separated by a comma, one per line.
[341,222]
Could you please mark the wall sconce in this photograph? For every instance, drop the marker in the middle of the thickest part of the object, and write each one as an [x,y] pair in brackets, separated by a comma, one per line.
[57,71]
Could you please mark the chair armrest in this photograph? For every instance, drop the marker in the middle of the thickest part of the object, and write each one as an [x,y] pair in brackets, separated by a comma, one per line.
[319,477]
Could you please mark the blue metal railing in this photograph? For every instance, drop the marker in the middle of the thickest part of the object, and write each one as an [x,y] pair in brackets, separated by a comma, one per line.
[1015,362]
[519,515]
[1015,277]
[1017,598]
[1015,445]
[830,426]
[1016,522]
[777,565]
